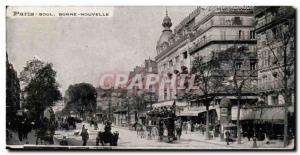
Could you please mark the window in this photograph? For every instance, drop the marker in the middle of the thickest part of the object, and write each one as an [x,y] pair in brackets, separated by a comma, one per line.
[273,56]
[150,69]
[274,32]
[269,57]
[274,75]
[269,36]
[204,38]
[292,49]
[264,81]
[223,35]
[241,34]
[165,94]
[222,21]
[252,65]
[238,65]
[185,55]
[177,59]
[151,88]
[170,63]
[237,21]
[252,35]
[274,100]
[165,66]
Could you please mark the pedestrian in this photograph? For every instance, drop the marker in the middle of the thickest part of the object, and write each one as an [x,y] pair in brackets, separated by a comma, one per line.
[85,137]
[95,125]
[64,141]
[179,130]
[83,128]
[185,126]
[227,135]
[192,127]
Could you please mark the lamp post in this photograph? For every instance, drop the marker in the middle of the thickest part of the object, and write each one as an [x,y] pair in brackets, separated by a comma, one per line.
[254,134]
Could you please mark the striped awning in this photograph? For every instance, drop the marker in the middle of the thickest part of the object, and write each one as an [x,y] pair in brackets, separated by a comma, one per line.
[190,112]
[169,104]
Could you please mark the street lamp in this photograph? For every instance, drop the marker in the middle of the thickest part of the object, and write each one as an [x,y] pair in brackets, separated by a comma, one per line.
[254,135]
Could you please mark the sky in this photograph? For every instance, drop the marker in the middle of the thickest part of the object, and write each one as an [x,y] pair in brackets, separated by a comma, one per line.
[83,49]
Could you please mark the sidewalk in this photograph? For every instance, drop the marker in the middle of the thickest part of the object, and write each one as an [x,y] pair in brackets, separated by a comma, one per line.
[14,139]
[245,144]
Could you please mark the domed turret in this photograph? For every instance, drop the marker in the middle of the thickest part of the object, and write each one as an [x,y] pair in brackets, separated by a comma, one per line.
[167,23]
[166,36]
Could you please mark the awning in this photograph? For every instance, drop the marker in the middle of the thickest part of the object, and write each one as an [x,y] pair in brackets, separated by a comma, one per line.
[234,97]
[120,111]
[189,113]
[266,113]
[169,103]
[142,114]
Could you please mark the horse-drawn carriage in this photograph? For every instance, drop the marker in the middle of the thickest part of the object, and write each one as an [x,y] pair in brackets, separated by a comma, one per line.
[107,137]
[70,121]
[164,120]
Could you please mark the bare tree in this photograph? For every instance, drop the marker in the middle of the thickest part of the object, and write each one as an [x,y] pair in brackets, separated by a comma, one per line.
[242,75]
[208,80]
[281,45]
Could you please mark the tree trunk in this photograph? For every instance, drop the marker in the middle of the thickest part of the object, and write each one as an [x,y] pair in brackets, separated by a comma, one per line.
[285,130]
[207,123]
[238,128]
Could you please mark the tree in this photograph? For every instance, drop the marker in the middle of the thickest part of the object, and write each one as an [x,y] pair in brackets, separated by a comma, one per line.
[281,46]
[28,73]
[207,79]
[12,93]
[82,98]
[41,92]
[241,74]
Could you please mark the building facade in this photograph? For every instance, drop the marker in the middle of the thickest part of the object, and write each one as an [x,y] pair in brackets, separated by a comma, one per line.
[204,32]
[273,25]
[276,34]
[142,99]
[109,103]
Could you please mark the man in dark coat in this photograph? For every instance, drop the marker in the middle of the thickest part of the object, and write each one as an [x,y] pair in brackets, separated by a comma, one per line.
[64,141]
[85,137]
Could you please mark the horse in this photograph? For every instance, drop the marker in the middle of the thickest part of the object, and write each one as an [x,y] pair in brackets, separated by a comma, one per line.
[185,127]
[153,132]
[140,131]
[178,132]
[107,138]
[178,129]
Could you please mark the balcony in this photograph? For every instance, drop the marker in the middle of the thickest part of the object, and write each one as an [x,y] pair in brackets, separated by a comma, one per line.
[213,22]
[232,23]
[211,10]
[271,85]
[211,38]
[264,21]
[272,16]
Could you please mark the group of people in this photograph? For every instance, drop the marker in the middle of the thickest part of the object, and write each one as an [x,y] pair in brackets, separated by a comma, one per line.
[84,136]
[146,131]
[103,137]
[163,112]
[22,125]
[94,122]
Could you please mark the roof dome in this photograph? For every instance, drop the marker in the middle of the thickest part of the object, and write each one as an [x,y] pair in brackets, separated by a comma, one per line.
[166,36]
[164,40]
[167,22]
